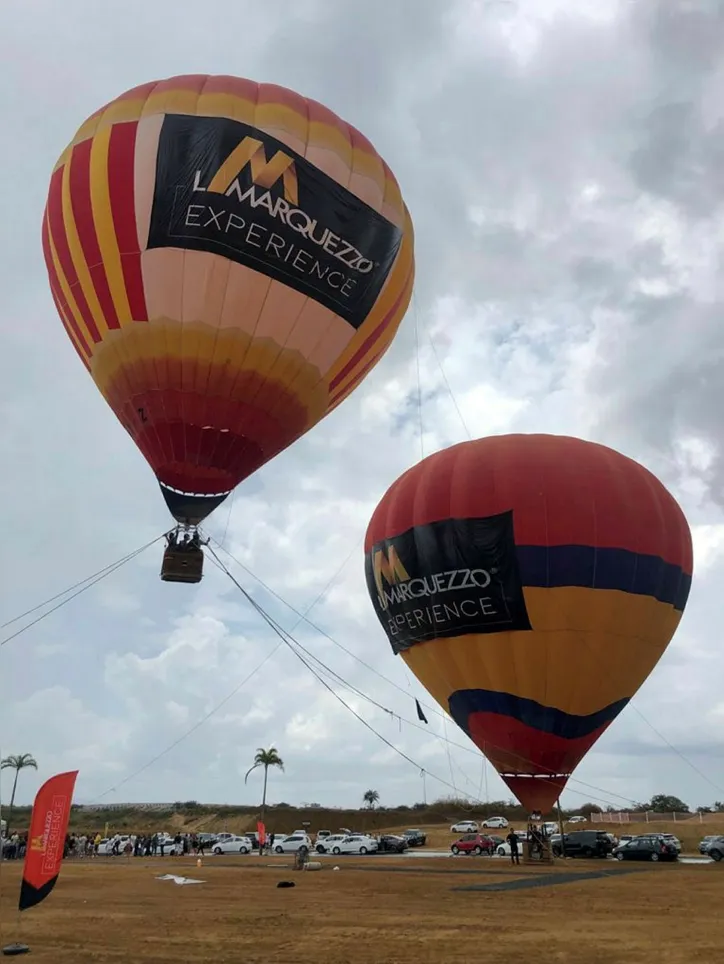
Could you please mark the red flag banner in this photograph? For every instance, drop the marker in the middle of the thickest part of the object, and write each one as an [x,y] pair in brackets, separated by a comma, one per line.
[46,839]
[261,831]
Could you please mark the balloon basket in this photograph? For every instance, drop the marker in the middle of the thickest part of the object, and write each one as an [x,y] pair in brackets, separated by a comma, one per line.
[536,854]
[182,564]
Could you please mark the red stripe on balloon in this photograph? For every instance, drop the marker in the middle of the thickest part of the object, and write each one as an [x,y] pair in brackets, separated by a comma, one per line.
[60,240]
[80,197]
[121,160]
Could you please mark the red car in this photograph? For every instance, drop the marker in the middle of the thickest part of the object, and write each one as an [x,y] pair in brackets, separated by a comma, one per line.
[474,843]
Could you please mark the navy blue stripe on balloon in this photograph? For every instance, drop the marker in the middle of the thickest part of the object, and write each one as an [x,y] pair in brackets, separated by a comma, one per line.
[549,567]
[545,719]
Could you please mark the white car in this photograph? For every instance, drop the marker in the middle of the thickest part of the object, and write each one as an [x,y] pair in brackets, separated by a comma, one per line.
[293,843]
[354,844]
[233,844]
[578,819]
[464,826]
[495,823]
[325,845]
[503,850]
[106,846]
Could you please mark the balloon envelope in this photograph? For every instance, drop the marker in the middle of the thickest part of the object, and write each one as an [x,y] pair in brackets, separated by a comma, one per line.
[531,583]
[229,260]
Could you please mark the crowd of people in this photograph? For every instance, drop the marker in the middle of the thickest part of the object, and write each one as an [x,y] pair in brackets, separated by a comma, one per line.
[15,844]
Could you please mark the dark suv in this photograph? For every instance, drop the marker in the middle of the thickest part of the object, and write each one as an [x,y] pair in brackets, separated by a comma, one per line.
[583,843]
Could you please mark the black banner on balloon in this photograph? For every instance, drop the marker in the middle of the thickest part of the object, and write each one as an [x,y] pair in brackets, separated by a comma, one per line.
[447,579]
[233,190]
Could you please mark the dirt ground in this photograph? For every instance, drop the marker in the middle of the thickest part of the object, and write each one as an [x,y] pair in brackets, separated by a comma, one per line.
[374,910]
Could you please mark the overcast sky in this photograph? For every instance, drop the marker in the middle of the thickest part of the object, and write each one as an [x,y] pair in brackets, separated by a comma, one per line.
[564,167]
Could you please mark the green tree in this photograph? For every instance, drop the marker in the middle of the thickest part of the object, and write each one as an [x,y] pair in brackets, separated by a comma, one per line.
[666,803]
[265,758]
[21,761]
[370,798]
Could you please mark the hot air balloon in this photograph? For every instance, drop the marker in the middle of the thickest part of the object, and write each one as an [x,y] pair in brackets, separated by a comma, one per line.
[531,583]
[229,260]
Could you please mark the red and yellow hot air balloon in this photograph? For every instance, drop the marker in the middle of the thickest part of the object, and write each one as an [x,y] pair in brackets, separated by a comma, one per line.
[531,583]
[229,260]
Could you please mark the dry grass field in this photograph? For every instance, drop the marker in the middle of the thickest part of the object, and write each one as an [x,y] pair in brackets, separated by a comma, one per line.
[375,910]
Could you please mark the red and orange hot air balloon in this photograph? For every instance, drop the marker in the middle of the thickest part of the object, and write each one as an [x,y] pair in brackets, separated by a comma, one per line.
[531,583]
[229,260]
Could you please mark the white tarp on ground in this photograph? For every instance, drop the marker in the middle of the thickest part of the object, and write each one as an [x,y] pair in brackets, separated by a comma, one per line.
[179,880]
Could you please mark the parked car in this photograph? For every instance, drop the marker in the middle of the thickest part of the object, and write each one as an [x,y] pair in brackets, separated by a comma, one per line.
[646,848]
[207,839]
[105,848]
[325,845]
[356,844]
[293,843]
[391,843]
[464,826]
[716,849]
[705,841]
[473,843]
[415,838]
[347,844]
[495,823]
[322,835]
[582,843]
[579,818]
[668,837]
[233,845]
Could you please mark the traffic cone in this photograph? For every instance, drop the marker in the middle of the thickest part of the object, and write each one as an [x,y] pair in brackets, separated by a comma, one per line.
[198,862]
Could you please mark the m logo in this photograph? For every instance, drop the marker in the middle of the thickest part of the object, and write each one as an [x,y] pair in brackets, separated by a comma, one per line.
[264,172]
[36,843]
[389,568]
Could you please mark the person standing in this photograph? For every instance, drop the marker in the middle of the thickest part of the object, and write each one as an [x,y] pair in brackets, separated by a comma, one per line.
[512,839]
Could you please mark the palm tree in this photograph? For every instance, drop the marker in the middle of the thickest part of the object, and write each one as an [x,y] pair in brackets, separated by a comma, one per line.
[265,758]
[22,761]
[370,798]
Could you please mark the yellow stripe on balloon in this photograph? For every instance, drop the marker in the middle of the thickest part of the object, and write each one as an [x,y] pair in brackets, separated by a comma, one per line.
[105,229]
[121,112]
[518,663]
[67,290]
[71,334]
[280,120]
[388,296]
[171,101]
[79,262]
[218,104]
